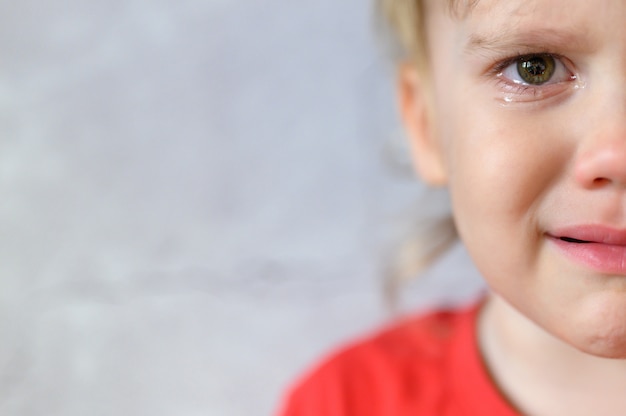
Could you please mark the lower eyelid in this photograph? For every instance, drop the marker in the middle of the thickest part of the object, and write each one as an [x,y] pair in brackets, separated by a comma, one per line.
[525,93]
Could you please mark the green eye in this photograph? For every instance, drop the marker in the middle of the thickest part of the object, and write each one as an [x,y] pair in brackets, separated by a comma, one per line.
[536,69]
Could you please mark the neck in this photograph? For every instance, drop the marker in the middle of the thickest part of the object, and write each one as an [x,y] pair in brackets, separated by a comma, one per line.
[542,375]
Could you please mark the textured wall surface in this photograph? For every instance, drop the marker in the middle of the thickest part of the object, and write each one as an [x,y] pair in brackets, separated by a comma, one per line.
[196,197]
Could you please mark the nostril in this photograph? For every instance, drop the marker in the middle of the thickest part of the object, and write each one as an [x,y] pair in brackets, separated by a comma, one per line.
[600,181]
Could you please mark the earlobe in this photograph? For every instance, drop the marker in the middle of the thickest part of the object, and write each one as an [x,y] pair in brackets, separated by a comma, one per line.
[415,110]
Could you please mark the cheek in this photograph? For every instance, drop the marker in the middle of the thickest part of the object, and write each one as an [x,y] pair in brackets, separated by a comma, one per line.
[503,164]
[504,169]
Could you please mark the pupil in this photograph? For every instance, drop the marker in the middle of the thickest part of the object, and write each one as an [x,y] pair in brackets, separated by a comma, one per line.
[535,66]
[536,70]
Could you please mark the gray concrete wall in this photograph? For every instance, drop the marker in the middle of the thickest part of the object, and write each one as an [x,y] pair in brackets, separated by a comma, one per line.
[195,200]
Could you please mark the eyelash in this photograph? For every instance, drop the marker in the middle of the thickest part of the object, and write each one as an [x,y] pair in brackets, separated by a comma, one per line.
[520,91]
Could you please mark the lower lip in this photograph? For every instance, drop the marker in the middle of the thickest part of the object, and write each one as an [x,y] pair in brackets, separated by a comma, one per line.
[604,258]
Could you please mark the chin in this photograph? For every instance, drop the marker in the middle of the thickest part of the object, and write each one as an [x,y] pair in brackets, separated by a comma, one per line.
[609,352]
[598,327]
[603,340]
[605,347]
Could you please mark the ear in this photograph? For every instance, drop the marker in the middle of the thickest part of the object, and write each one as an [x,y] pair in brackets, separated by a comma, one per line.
[415,109]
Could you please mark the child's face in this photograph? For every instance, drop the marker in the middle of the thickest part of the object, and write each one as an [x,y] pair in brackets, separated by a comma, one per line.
[528,131]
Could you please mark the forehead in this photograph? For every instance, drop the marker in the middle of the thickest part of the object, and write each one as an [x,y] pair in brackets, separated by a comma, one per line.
[513,8]
[557,9]
[578,21]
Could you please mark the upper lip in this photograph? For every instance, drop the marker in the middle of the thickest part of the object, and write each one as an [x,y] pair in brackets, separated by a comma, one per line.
[591,234]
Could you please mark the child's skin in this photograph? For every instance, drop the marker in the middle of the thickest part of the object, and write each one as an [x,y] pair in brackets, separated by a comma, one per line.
[528,161]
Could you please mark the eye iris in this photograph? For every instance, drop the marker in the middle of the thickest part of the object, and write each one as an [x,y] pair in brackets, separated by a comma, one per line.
[536,70]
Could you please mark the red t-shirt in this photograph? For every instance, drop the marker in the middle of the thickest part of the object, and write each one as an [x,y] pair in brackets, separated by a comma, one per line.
[426,366]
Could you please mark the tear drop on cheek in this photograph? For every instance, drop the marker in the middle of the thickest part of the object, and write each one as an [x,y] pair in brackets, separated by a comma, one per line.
[528,96]
[579,84]
[507,98]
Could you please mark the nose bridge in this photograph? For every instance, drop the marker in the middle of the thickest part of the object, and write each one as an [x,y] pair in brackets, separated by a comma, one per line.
[602,154]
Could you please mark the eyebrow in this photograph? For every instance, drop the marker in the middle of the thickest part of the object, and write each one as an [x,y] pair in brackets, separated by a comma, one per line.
[509,39]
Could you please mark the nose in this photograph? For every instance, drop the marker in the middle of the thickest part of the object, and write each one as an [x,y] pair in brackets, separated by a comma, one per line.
[601,152]
[603,165]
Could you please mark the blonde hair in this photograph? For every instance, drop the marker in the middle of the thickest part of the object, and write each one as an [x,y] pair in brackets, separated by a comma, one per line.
[405,18]
[432,236]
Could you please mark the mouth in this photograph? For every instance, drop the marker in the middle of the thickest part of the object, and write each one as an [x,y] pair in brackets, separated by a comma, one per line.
[599,248]
[573,240]
[591,234]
